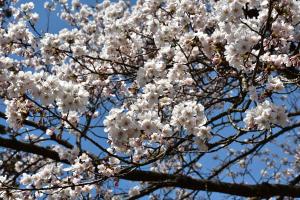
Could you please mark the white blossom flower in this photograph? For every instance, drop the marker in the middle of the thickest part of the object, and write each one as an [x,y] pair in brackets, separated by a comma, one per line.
[264,115]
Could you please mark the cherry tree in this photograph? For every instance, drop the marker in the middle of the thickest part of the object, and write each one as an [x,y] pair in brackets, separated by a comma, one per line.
[165,99]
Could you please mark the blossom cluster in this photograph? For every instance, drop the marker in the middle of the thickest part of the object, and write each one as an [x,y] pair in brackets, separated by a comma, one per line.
[125,129]
[46,89]
[264,115]
[52,175]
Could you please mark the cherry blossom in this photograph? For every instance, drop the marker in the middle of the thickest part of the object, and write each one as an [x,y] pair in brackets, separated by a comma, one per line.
[170,99]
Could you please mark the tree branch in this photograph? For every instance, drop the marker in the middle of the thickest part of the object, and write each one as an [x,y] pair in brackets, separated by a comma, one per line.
[30,148]
[258,190]
[167,180]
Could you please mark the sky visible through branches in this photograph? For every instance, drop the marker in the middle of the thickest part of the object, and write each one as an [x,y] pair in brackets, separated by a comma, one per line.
[210,132]
[52,22]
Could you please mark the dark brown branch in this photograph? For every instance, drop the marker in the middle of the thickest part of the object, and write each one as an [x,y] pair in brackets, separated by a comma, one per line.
[30,148]
[43,128]
[166,180]
[258,190]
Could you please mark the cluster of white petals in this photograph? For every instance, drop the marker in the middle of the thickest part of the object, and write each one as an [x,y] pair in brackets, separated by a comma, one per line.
[264,115]
[52,175]
[17,111]
[190,115]
[125,128]
[275,84]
